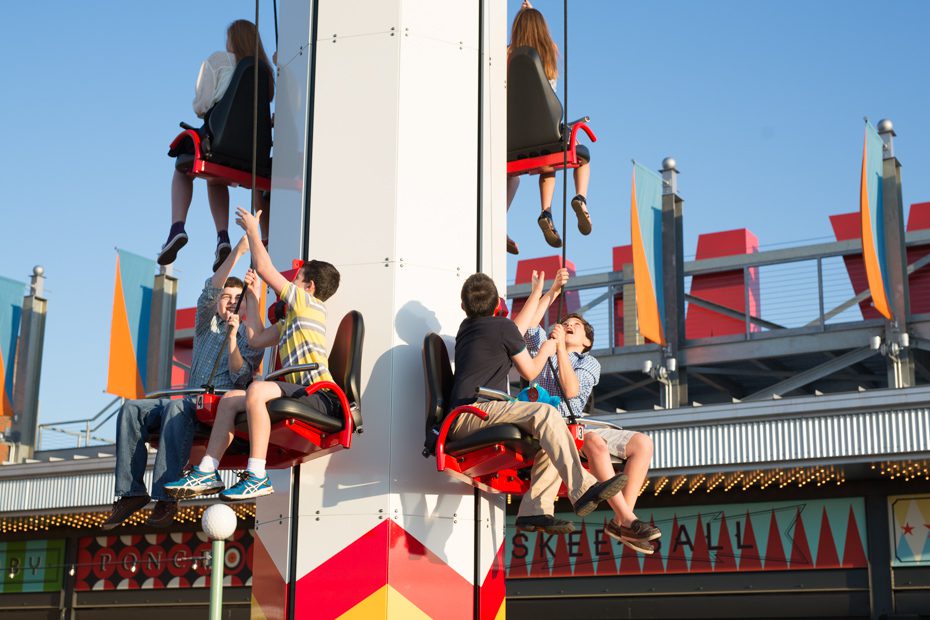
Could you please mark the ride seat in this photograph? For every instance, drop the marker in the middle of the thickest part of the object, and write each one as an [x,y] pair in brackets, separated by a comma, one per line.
[488,458]
[222,148]
[299,431]
[536,136]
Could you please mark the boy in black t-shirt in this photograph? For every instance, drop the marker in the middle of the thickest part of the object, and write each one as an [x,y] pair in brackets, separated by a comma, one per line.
[485,348]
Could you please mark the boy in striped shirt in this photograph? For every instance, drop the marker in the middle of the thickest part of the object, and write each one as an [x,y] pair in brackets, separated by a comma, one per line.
[301,339]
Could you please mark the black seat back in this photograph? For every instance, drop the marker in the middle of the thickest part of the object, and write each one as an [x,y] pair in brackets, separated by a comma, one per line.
[437,372]
[345,361]
[534,113]
[229,123]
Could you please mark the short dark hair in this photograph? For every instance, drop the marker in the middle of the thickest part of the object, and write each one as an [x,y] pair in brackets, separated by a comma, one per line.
[479,296]
[588,330]
[325,278]
[233,282]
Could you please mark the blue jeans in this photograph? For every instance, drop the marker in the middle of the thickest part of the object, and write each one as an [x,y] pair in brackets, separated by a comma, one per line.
[137,420]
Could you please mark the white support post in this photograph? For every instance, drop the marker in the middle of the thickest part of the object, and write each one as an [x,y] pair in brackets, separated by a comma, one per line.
[404,191]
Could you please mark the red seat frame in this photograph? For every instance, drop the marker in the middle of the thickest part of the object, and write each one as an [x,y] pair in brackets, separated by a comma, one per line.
[553,161]
[207,169]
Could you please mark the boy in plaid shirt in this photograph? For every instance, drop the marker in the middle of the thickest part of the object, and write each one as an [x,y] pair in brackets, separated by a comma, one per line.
[573,369]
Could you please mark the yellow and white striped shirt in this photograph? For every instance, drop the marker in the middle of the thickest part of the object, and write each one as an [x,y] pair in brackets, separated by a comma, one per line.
[302,336]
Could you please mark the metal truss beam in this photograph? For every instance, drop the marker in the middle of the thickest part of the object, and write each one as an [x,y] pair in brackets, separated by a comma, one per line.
[817,372]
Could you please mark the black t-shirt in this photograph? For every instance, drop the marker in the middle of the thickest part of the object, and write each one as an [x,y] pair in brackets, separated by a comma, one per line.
[484,347]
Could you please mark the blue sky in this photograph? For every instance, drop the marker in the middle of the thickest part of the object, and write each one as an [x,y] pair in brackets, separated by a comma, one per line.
[761,103]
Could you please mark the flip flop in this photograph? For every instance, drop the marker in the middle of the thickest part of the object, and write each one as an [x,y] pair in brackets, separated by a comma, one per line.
[548,228]
[579,204]
[512,246]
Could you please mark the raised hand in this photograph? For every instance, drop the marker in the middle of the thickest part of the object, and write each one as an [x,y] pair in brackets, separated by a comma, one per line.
[247,221]
[536,282]
[252,283]
[561,277]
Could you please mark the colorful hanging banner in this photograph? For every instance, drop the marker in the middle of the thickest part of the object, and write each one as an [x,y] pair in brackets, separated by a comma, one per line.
[769,536]
[31,565]
[129,329]
[11,311]
[910,523]
[872,217]
[646,217]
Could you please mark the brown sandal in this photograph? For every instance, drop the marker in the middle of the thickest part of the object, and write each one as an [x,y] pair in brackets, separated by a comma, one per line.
[579,204]
[548,228]
[512,246]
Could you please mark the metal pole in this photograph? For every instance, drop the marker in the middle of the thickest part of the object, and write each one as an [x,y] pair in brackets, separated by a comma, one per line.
[29,366]
[820,291]
[161,330]
[216,579]
[901,372]
[746,301]
[676,383]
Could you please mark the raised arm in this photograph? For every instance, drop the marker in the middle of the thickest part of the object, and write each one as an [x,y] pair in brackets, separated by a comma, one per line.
[260,259]
[535,309]
[524,318]
[567,377]
[234,356]
[529,367]
[258,335]
[219,278]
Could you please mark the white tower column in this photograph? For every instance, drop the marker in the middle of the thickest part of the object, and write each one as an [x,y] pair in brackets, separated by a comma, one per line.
[401,108]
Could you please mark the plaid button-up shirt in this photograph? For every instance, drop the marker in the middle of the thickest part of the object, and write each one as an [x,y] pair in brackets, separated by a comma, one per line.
[210,341]
[587,369]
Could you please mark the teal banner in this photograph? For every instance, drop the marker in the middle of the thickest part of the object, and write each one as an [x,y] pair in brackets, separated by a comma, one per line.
[11,310]
[32,566]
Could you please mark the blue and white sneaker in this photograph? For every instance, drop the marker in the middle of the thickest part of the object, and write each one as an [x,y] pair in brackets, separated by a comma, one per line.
[195,484]
[249,486]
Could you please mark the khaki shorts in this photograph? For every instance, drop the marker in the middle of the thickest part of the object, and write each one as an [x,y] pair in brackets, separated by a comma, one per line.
[617,439]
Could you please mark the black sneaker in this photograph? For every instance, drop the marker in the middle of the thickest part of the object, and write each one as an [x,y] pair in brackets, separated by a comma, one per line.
[177,239]
[123,508]
[598,493]
[548,227]
[163,513]
[223,248]
[544,523]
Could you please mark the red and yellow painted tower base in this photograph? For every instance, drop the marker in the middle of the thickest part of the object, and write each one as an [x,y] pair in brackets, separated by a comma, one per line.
[389,162]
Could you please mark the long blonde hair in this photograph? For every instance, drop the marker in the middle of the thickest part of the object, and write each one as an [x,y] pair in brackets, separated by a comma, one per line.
[530,30]
[241,36]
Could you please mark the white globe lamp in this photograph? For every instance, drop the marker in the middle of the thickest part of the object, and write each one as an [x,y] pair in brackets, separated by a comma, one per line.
[219,523]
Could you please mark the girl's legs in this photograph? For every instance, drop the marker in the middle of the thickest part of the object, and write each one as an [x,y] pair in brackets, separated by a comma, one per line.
[546,224]
[582,175]
[513,183]
[546,190]
[182,190]
[595,450]
[218,196]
